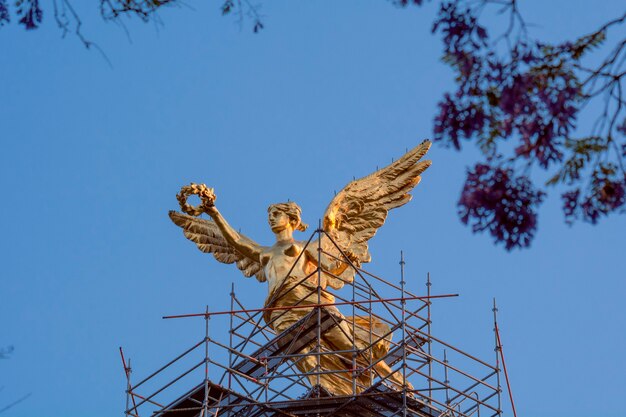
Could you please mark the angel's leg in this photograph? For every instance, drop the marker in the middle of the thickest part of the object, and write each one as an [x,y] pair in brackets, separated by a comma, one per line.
[342,338]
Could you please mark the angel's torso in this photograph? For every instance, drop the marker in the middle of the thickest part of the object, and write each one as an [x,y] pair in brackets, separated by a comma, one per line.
[278,264]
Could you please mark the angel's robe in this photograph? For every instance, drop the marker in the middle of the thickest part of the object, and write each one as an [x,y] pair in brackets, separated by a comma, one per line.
[297,285]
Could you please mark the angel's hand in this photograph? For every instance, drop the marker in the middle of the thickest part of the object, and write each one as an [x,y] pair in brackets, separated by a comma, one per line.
[210,210]
[207,195]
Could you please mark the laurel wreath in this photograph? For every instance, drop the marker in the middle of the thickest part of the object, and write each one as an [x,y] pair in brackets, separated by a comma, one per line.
[207,196]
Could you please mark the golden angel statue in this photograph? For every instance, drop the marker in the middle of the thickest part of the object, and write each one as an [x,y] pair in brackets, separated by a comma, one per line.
[288,266]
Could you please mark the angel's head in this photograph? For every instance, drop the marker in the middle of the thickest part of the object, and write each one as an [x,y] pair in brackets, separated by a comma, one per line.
[283,215]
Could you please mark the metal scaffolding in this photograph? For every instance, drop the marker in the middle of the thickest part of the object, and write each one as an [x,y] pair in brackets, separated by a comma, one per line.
[251,371]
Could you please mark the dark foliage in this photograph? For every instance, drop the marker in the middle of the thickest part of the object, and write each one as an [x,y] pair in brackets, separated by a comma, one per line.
[607,194]
[144,9]
[5,16]
[496,201]
[29,12]
[517,98]
[404,3]
[524,96]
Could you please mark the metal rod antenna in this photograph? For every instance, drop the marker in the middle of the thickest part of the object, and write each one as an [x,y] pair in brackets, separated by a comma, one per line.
[404,387]
[127,382]
[132,396]
[127,371]
[371,325]
[230,334]
[354,351]
[318,367]
[205,403]
[497,352]
[499,344]
[446,381]
[428,323]
[127,395]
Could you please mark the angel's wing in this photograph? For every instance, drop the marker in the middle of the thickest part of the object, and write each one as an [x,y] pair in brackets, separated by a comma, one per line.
[208,238]
[355,214]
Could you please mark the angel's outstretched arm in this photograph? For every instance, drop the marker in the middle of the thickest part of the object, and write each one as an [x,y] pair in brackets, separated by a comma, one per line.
[243,246]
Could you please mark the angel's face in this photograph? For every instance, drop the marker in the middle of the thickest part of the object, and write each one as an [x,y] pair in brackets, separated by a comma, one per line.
[278,220]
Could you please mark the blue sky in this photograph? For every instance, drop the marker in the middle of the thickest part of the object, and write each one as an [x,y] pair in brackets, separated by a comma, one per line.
[93,156]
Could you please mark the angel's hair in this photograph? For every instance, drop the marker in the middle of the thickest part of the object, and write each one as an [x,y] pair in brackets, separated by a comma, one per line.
[293,211]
